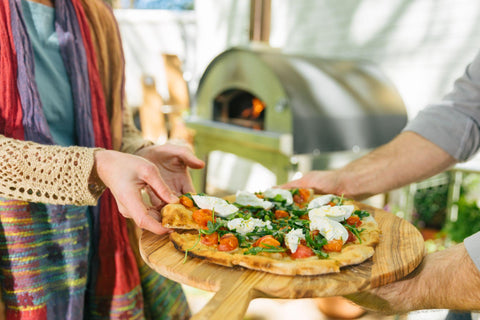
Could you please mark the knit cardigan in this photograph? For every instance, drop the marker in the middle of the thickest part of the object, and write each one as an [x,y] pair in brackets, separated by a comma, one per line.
[66,175]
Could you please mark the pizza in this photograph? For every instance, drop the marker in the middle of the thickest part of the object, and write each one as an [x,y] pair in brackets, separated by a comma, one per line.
[286,232]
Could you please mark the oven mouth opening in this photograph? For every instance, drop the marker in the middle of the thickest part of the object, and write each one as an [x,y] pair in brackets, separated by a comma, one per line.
[240,108]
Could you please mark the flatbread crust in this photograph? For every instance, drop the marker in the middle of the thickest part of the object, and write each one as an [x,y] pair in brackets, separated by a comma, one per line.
[178,217]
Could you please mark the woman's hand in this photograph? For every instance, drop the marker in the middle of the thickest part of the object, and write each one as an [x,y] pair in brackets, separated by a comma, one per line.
[173,162]
[128,175]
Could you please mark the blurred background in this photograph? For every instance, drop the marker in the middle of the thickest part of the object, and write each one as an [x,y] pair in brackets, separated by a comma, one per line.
[248,83]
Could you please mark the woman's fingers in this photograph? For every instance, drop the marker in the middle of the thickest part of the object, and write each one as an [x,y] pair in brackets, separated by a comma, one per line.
[145,218]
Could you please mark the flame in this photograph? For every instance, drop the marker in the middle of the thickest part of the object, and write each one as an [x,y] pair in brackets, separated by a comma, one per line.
[255,111]
[257,107]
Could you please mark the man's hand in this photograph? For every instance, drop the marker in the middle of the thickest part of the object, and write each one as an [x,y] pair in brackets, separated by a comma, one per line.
[126,176]
[407,158]
[322,182]
[446,279]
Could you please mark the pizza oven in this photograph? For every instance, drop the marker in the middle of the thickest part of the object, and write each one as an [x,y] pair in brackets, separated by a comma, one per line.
[292,113]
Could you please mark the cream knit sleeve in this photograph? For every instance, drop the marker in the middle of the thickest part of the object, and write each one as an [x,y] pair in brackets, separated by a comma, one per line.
[48,174]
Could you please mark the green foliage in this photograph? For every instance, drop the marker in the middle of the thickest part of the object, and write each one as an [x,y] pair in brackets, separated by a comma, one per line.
[430,207]
[468,220]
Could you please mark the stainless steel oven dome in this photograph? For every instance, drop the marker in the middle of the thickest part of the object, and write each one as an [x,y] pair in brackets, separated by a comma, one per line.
[292,113]
[326,104]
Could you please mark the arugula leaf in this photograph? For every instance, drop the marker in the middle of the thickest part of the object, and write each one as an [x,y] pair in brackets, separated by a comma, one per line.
[267,248]
[211,228]
[299,212]
[242,241]
[301,223]
[259,233]
[190,249]
[361,213]
[338,200]
[264,214]
[355,231]
[320,253]
[315,242]
[278,198]
[280,234]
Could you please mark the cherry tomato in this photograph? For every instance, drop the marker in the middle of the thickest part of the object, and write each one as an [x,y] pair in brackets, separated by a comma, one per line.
[281,214]
[228,242]
[302,197]
[302,252]
[186,201]
[266,241]
[298,201]
[351,236]
[333,245]
[354,221]
[304,193]
[209,239]
[202,216]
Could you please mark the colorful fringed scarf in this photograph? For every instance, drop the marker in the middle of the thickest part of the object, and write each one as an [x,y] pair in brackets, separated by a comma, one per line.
[39,289]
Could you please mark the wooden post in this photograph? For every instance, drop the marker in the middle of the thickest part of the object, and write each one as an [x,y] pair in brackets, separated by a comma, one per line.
[260,12]
[152,119]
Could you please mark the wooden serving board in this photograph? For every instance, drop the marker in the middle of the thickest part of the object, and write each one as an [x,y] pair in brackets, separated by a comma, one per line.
[399,252]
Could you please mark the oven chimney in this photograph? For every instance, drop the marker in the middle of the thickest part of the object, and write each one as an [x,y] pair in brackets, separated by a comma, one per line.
[260,11]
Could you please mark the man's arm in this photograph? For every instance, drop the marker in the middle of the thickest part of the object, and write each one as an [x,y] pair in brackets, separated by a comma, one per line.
[446,279]
[438,137]
[406,159]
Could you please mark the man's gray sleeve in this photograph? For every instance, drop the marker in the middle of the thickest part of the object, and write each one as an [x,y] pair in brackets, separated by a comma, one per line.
[454,123]
[472,244]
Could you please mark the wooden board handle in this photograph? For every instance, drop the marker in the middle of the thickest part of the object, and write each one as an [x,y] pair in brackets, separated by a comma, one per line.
[232,300]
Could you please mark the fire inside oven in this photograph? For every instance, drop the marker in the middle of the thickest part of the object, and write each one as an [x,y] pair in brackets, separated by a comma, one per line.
[241,108]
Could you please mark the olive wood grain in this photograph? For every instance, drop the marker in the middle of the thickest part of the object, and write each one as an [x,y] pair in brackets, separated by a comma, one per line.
[399,252]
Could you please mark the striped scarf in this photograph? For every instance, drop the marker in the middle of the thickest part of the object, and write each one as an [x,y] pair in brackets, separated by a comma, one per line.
[47,246]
